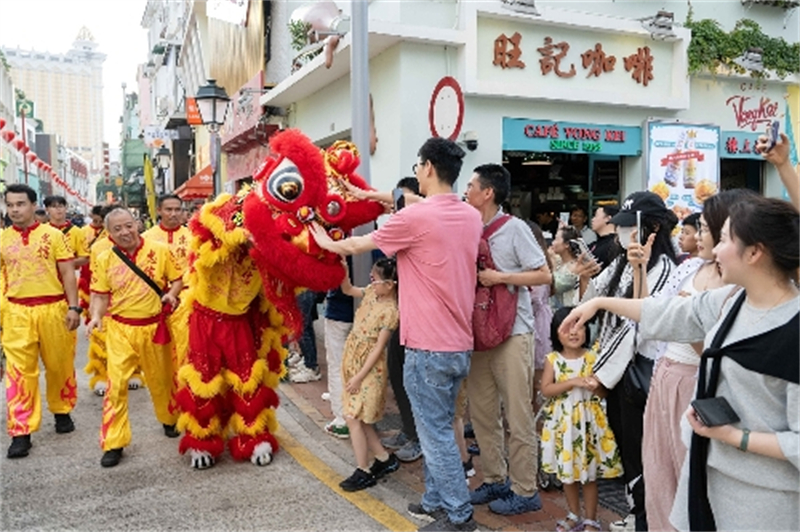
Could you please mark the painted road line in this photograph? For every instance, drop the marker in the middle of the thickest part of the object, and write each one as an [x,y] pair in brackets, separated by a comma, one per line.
[365,502]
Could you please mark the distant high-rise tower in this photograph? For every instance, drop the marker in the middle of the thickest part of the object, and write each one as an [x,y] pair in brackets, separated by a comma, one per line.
[67,90]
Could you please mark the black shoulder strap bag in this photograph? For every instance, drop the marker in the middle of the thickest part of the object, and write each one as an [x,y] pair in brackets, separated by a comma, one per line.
[777,357]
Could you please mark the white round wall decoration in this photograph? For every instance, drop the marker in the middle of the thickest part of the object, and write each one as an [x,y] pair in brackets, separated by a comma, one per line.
[446,110]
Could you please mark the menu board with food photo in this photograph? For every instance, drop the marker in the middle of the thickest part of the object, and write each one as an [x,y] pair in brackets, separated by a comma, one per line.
[683,164]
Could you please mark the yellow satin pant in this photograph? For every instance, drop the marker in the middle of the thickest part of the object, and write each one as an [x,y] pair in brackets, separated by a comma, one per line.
[96,358]
[127,347]
[29,332]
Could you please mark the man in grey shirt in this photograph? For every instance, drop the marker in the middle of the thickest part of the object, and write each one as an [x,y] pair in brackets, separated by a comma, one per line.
[505,373]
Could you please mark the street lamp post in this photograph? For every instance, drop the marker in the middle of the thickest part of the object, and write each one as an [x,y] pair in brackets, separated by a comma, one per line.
[212,102]
[163,160]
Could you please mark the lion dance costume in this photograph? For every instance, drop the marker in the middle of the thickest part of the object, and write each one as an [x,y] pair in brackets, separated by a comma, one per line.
[250,254]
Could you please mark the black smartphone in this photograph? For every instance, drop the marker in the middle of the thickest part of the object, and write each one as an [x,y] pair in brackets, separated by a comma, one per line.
[714,411]
[398,198]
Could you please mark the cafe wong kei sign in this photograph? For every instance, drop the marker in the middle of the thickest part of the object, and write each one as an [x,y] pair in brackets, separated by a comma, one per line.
[570,137]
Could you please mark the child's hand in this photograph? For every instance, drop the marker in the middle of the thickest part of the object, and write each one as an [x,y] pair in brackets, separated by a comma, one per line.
[353,385]
[591,383]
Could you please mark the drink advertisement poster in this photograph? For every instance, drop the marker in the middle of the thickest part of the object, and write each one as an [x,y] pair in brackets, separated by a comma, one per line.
[683,164]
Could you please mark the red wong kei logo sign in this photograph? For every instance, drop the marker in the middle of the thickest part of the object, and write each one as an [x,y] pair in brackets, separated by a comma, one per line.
[752,113]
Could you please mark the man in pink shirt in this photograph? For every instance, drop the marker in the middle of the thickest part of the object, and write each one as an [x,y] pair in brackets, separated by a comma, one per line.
[436,243]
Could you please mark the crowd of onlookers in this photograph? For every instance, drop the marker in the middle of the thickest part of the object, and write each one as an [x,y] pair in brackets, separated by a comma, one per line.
[664,352]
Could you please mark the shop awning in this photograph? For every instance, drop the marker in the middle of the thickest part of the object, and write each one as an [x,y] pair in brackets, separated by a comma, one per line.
[199,186]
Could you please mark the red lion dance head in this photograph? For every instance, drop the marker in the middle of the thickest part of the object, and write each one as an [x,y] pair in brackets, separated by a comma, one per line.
[296,185]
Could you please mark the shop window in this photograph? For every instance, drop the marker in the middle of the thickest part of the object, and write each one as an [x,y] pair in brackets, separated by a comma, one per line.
[741,173]
[558,181]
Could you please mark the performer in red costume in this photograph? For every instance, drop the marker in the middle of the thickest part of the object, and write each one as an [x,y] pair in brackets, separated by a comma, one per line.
[249,255]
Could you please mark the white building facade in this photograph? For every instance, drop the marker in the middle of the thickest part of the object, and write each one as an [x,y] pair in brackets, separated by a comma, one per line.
[580,102]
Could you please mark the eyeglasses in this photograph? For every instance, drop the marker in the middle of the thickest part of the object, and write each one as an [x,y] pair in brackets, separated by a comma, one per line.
[415,166]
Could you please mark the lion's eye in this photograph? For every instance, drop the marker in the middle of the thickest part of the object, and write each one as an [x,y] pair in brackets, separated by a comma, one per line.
[285,183]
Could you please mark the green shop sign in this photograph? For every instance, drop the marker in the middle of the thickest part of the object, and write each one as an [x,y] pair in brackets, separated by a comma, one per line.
[548,136]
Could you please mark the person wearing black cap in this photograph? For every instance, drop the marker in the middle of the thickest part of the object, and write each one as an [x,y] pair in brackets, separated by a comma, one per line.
[625,363]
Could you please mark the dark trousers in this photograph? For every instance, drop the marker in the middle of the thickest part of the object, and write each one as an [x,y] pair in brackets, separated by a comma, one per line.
[307,301]
[626,419]
[395,359]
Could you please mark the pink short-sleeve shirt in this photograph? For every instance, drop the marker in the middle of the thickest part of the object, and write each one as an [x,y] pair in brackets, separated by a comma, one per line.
[436,243]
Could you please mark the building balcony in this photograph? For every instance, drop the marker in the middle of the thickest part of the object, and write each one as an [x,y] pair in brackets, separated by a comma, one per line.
[783,4]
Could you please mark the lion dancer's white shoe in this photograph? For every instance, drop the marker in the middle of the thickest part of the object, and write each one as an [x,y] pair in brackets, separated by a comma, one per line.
[262,454]
[201,459]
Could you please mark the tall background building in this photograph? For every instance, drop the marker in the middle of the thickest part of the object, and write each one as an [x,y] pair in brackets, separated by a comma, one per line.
[68,91]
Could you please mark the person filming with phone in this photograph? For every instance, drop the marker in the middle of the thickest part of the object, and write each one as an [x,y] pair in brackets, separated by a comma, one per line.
[742,469]
[625,361]
[777,152]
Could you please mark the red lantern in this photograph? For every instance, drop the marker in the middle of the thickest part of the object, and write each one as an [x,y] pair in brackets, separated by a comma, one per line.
[3,123]
[7,135]
[18,144]
[25,149]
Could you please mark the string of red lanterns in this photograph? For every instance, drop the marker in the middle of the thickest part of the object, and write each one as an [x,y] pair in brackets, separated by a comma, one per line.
[10,138]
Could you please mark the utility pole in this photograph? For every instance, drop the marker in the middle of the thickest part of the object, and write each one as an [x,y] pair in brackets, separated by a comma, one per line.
[359,101]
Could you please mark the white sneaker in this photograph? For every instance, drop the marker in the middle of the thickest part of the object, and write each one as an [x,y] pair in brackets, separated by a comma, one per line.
[294,359]
[305,374]
[326,396]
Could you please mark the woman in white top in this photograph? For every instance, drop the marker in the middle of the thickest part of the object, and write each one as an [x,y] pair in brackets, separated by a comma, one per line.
[675,377]
[565,281]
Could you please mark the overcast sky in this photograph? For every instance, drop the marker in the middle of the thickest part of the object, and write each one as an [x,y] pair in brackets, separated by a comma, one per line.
[52,25]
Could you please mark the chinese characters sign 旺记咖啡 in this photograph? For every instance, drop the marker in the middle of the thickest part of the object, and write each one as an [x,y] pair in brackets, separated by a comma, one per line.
[508,54]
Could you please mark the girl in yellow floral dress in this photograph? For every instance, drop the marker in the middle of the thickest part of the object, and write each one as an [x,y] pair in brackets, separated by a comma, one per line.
[577,443]
[364,372]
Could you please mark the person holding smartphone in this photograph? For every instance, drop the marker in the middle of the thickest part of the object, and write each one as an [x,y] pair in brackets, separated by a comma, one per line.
[777,152]
[644,226]
[742,475]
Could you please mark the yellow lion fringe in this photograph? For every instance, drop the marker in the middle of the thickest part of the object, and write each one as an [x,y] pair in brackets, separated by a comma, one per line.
[257,373]
[189,376]
[265,420]
[188,423]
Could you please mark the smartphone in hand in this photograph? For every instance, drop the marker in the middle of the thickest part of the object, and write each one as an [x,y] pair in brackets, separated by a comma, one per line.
[773,133]
[579,248]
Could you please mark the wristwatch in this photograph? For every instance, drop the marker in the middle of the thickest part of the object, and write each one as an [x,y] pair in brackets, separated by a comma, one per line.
[79,310]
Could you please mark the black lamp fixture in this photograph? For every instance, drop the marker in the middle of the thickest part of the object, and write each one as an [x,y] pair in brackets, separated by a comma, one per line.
[163,157]
[660,26]
[212,102]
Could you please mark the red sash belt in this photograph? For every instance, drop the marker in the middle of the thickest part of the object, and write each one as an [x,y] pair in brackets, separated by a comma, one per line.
[36,301]
[161,335]
[136,322]
[219,316]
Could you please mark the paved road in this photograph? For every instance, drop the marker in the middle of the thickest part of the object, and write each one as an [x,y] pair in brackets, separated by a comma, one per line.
[61,485]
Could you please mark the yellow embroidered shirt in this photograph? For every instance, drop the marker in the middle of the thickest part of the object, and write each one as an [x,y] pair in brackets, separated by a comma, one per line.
[131,296]
[29,261]
[76,239]
[92,235]
[177,239]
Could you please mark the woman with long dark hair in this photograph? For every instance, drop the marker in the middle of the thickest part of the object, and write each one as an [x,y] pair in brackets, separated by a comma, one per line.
[625,361]
[743,474]
[675,375]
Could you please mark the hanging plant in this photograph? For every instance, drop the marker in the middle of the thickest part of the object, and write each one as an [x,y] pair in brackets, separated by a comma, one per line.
[299,32]
[712,47]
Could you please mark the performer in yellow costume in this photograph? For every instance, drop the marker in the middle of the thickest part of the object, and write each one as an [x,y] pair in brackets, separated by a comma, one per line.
[136,329]
[171,232]
[40,309]
[56,207]
[250,253]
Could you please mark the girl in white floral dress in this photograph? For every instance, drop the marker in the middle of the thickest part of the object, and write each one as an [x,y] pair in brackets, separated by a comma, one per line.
[577,443]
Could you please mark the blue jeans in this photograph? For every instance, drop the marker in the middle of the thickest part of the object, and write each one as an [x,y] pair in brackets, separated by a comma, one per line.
[307,301]
[432,380]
